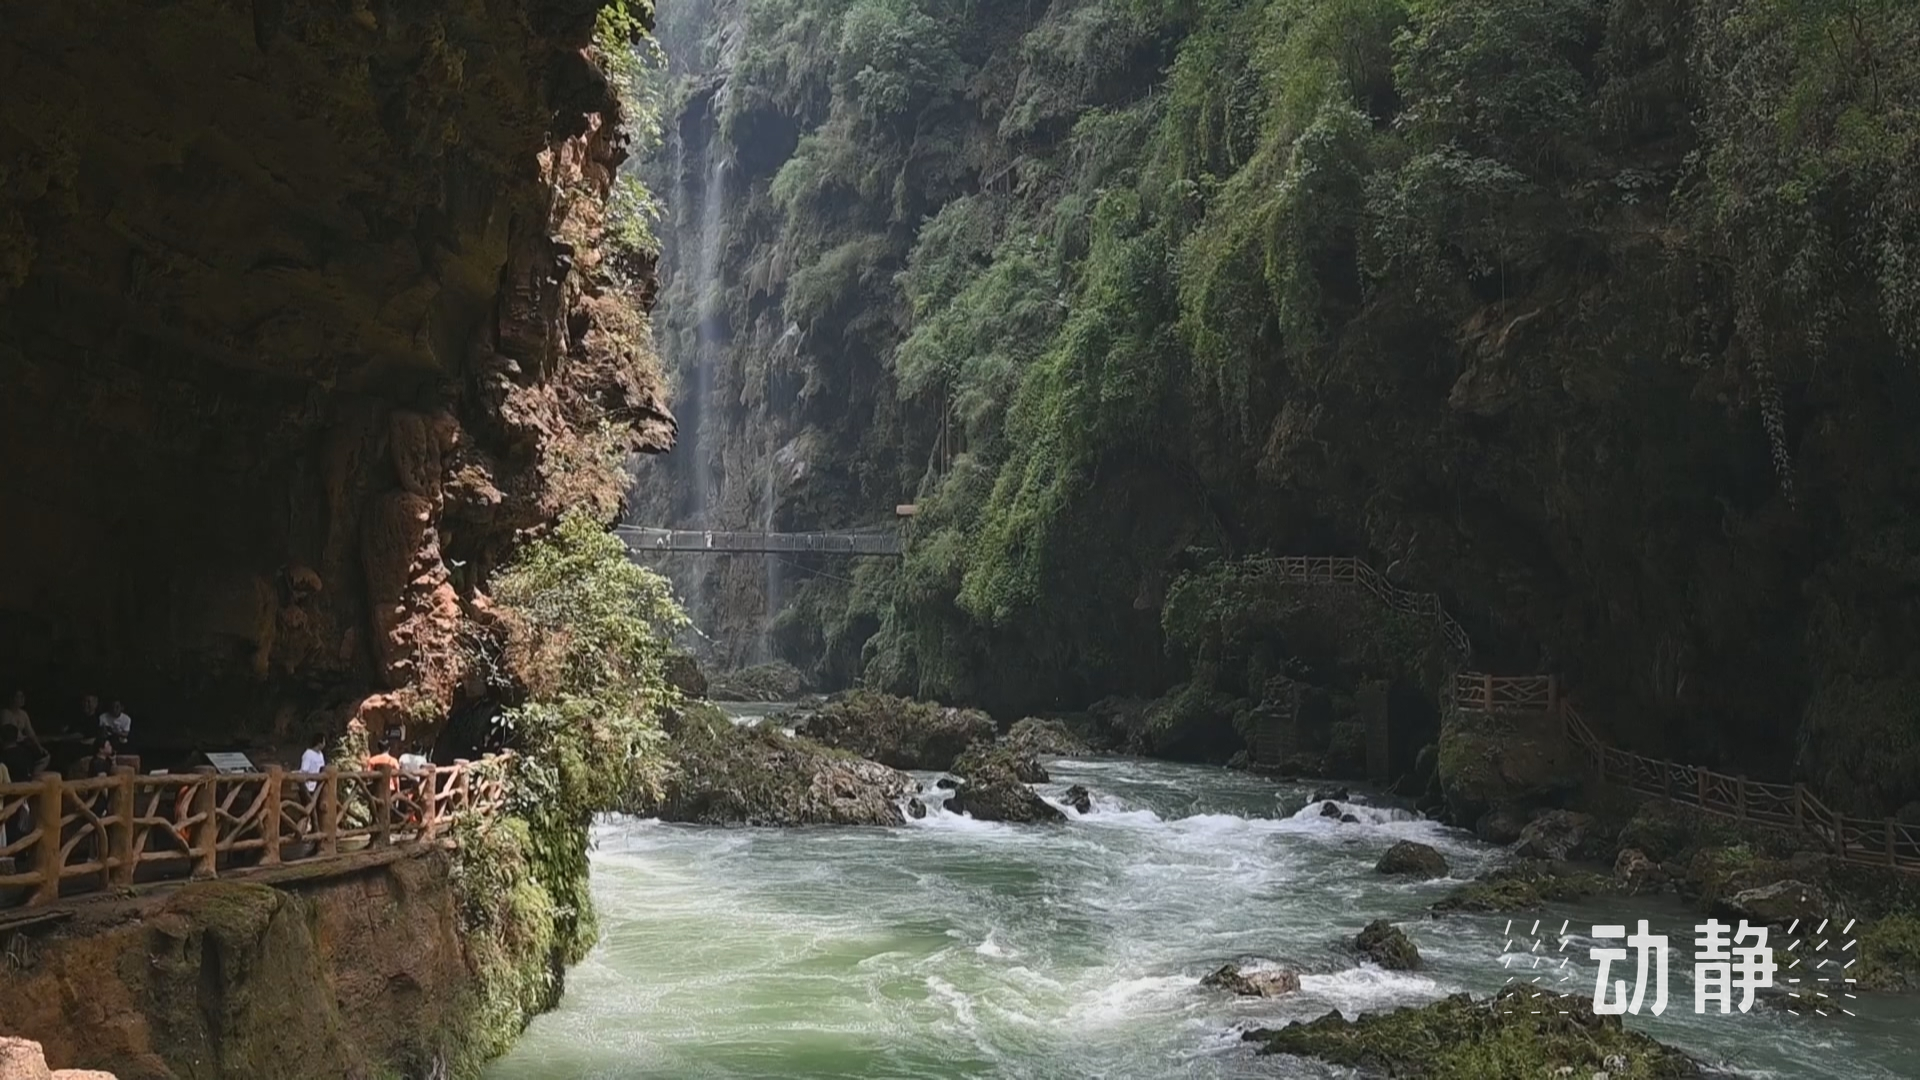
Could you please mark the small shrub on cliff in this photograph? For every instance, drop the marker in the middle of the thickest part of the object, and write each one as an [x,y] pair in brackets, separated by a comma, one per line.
[588,636]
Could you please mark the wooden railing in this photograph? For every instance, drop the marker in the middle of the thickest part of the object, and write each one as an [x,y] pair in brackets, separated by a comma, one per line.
[68,837]
[1341,570]
[1883,842]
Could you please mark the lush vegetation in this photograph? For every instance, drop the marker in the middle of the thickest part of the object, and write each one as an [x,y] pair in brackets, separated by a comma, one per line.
[581,639]
[1593,315]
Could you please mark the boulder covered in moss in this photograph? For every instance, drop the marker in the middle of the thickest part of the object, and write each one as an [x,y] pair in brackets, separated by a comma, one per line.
[983,759]
[1271,982]
[1038,737]
[897,732]
[1410,859]
[1523,1033]
[729,774]
[777,681]
[1635,873]
[1388,945]
[1781,903]
[1524,887]
[1490,762]
[994,793]
[1889,953]
[1557,836]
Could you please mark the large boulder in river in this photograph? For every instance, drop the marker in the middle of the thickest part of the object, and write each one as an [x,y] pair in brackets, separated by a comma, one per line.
[1080,799]
[1557,836]
[778,681]
[1266,983]
[1408,859]
[998,795]
[1387,945]
[983,759]
[898,732]
[728,774]
[1037,737]
[1488,762]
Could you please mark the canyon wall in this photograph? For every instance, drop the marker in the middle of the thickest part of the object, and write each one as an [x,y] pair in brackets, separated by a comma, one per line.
[304,317]
[369,975]
[1592,316]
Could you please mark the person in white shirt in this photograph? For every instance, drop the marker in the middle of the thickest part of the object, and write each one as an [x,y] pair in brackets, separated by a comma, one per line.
[115,724]
[313,760]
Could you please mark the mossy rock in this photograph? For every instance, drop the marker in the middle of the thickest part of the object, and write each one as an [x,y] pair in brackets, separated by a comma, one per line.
[1525,887]
[897,732]
[778,681]
[728,774]
[1389,946]
[985,759]
[1889,953]
[1046,738]
[1523,1033]
[1488,761]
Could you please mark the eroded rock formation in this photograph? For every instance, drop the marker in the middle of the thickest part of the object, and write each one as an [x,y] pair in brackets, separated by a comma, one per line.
[303,318]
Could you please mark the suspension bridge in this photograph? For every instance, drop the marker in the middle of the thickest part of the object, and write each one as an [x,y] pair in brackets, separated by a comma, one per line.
[878,542]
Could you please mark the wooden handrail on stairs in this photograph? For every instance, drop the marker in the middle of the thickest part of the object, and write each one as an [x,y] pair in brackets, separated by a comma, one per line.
[1867,842]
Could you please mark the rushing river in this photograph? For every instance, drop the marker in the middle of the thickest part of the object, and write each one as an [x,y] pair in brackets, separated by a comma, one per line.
[954,948]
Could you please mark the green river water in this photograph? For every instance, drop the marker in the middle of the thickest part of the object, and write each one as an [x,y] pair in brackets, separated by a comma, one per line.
[955,948]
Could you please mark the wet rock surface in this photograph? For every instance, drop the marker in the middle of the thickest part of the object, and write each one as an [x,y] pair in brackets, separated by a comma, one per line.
[1261,983]
[1524,887]
[1557,836]
[1080,799]
[1410,859]
[777,681]
[1523,1033]
[1387,945]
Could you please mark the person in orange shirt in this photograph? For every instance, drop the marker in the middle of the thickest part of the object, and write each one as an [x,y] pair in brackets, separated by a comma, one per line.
[384,758]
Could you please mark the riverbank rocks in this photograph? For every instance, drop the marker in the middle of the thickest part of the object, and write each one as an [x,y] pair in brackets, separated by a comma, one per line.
[1778,904]
[1524,887]
[1080,799]
[1388,945]
[1556,836]
[1037,737]
[1523,1033]
[778,681]
[983,759]
[897,732]
[1409,859]
[1265,983]
[726,774]
[22,1059]
[1636,873]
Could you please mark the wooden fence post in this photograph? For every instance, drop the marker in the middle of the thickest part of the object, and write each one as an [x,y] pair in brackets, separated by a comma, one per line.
[463,791]
[330,810]
[1799,806]
[1486,691]
[206,839]
[383,807]
[1553,694]
[270,824]
[1666,780]
[1700,786]
[429,803]
[1892,860]
[1740,798]
[120,834]
[47,810]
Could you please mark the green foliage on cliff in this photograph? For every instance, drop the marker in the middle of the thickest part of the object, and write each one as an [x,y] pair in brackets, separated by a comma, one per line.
[1594,315]
[589,633]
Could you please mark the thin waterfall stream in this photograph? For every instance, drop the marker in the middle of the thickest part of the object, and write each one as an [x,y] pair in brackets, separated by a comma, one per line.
[956,948]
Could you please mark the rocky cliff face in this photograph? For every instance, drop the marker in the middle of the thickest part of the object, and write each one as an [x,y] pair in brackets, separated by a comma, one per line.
[1591,316]
[366,975]
[302,320]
